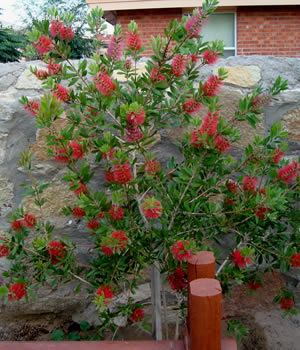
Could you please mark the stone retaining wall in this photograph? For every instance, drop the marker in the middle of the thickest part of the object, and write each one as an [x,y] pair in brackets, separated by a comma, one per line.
[17,132]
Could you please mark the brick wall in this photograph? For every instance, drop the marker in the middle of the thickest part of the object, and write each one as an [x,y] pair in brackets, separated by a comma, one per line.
[270,30]
[150,22]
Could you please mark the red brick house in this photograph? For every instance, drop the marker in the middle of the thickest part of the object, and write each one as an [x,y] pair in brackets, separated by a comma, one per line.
[247,27]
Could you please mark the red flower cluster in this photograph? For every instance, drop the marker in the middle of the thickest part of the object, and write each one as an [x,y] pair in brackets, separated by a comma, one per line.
[222,143]
[156,75]
[59,29]
[254,285]
[134,42]
[54,68]
[122,173]
[127,64]
[177,280]
[44,45]
[93,224]
[194,23]
[61,156]
[287,304]
[239,260]
[57,251]
[29,220]
[16,291]
[81,189]
[212,86]
[210,57]
[117,241]
[178,65]
[78,212]
[136,118]
[106,293]
[152,167]
[32,107]
[116,213]
[41,74]
[4,251]
[289,172]
[191,106]
[261,212]
[104,84]
[133,133]
[181,250]
[115,48]
[109,155]
[295,260]
[77,150]
[232,186]
[152,208]
[209,124]
[250,183]
[137,314]
[277,155]
[17,225]
[61,93]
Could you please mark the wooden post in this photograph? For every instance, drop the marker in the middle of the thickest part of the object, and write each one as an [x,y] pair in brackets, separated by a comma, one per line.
[201,265]
[205,312]
[156,301]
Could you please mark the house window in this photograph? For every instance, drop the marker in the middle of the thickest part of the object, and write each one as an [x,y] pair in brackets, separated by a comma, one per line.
[222,26]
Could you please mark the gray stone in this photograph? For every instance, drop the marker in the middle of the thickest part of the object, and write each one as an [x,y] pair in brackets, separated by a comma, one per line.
[242,76]
[291,123]
[3,142]
[6,196]
[28,81]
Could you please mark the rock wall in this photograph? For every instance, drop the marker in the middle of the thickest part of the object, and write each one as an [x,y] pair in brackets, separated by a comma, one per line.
[17,132]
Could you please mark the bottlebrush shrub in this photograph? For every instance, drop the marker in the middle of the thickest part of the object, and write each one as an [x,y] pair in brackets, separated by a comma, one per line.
[150,210]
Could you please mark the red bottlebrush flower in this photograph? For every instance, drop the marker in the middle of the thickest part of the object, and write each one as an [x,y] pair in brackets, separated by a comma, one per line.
[263,191]
[77,150]
[178,65]
[191,107]
[106,293]
[287,304]
[32,107]
[17,225]
[210,57]
[16,291]
[177,280]
[239,260]
[137,315]
[54,68]
[133,134]
[29,220]
[209,124]
[152,167]
[41,74]
[254,285]
[4,251]
[152,208]
[93,224]
[222,143]
[81,189]
[277,155]
[101,215]
[181,250]
[249,183]
[212,85]
[122,173]
[195,134]
[136,118]
[289,172]
[261,212]
[61,156]
[193,57]
[117,241]
[116,213]
[109,176]
[232,186]
[66,33]
[156,75]
[44,45]
[127,64]
[110,154]
[78,212]
[134,42]
[56,249]
[61,93]
[229,201]
[115,48]
[55,27]
[194,23]
[104,84]
[295,260]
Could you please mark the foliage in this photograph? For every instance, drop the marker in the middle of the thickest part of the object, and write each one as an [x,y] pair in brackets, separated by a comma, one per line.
[150,211]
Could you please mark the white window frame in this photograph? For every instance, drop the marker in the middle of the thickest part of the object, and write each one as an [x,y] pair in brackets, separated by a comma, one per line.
[231,11]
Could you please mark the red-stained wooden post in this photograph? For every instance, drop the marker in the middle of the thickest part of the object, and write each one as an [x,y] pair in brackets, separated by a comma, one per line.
[201,265]
[205,313]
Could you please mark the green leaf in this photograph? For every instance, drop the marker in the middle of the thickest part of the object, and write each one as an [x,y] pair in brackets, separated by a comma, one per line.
[3,291]
[57,335]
